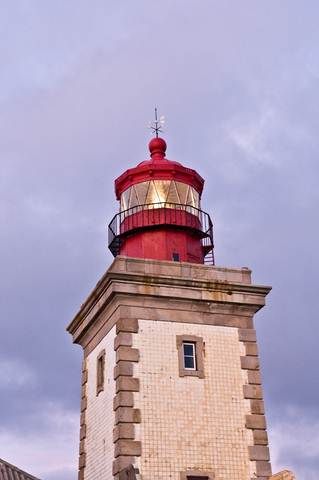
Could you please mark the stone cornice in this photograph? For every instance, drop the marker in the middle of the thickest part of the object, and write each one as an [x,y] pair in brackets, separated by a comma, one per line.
[171,280]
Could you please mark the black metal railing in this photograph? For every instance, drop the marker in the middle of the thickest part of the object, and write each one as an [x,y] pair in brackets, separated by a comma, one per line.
[158,214]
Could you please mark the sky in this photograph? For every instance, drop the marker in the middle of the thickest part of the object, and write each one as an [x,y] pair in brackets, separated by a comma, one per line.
[238,82]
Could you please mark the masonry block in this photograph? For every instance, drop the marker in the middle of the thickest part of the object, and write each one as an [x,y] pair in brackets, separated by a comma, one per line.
[123,339]
[247,335]
[257,422]
[127,325]
[258,452]
[123,368]
[249,363]
[127,447]
[127,415]
[123,431]
[128,354]
[123,399]
[253,391]
[128,384]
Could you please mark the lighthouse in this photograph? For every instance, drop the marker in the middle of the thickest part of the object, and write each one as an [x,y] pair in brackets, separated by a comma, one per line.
[171,385]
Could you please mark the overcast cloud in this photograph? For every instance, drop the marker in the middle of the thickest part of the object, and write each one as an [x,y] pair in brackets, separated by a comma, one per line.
[238,82]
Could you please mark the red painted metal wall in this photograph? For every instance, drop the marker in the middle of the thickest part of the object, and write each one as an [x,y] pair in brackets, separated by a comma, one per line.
[161,243]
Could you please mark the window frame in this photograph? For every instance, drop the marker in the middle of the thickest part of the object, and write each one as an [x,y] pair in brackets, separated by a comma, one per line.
[199,356]
[100,372]
[193,355]
[189,474]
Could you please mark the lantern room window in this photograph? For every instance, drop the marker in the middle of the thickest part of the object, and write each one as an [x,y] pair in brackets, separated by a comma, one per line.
[159,192]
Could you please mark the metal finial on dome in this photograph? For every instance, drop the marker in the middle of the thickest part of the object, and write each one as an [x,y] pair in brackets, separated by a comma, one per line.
[157,125]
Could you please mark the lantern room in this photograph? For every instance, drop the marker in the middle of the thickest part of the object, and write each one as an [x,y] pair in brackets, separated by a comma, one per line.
[160,215]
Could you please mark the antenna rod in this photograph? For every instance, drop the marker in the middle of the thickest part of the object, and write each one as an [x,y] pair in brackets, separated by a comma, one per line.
[156,126]
[156,123]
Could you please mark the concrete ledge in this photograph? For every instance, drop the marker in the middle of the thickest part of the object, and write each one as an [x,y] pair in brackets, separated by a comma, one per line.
[122,462]
[82,460]
[82,418]
[84,377]
[257,422]
[128,354]
[254,377]
[127,384]
[123,431]
[260,437]
[249,363]
[127,415]
[123,368]
[82,432]
[123,399]
[253,391]
[123,339]
[128,447]
[127,325]
[263,469]
[259,453]
[83,404]
[257,407]
[247,335]
[251,349]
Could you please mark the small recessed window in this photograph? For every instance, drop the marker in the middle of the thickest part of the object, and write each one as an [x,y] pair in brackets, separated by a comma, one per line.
[176,257]
[197,478]
[190,356]
[190,475]
[189,351]
[100,370]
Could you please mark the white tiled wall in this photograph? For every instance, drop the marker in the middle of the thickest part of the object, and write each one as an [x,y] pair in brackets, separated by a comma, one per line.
[99,445]
[188,422]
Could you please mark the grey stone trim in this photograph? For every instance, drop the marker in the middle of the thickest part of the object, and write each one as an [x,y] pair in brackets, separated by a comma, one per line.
[122,462]
[260,437]
[256,420]
[258,452]
[82,453]
[198,285]
[263,469]
[126,447]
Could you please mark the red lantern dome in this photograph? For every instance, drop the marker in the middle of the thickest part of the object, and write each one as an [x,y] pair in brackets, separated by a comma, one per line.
[160,215]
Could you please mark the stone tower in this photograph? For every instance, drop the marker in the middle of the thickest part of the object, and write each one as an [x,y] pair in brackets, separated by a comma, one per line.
[170,379]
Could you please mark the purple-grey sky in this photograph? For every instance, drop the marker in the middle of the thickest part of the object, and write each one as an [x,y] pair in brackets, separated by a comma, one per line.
[238,82]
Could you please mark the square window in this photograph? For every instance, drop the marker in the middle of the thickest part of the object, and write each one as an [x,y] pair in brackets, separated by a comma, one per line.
[190,355]
[176,257]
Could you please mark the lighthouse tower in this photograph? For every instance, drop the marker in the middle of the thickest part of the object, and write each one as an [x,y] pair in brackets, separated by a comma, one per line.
[171,386]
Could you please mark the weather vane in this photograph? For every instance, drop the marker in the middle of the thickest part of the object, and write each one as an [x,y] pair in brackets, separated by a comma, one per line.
[157,125]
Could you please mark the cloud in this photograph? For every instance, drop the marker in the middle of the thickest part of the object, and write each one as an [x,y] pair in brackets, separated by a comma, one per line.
[294,442]
[50,453]
[239,87]
[251,137]
[15,374]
